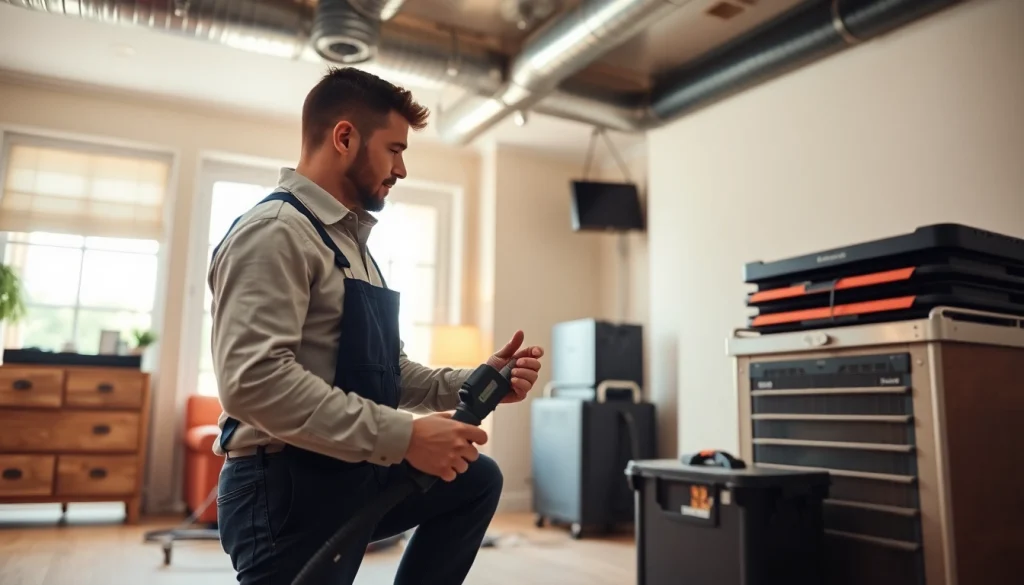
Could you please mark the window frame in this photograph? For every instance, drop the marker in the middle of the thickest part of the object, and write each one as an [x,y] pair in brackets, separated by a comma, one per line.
[212,169]
[11,134]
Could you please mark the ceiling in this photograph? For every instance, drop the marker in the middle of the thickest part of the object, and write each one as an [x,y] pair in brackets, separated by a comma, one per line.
[150,62]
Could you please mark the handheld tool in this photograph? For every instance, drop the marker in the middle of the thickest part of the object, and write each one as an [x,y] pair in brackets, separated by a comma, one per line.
[478,397]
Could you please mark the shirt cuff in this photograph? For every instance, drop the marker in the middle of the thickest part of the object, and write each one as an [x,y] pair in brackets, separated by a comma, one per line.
[457,378]
[394,431]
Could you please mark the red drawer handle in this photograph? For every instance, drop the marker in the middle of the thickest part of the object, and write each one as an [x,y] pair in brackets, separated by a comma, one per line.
[105,388]
[101,430]
[22,384]
[97,473]
[12,473]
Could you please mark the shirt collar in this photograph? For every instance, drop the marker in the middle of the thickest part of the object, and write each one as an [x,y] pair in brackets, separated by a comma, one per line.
[321,203]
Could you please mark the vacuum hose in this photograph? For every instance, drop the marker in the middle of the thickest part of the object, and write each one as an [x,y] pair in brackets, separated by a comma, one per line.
[478,397]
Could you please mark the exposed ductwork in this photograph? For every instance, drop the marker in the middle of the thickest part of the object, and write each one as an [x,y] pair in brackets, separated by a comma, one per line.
[804,35]
[285,28]
[377,9]
[562,50]
[809,33]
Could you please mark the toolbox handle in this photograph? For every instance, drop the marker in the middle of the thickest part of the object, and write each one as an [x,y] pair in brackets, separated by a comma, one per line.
[716,457]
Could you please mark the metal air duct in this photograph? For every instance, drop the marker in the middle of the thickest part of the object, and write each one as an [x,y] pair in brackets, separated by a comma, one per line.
[562,50]
[377,9]
[284,28]
[801,36]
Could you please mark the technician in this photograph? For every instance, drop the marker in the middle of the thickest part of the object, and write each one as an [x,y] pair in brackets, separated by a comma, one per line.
[312,372]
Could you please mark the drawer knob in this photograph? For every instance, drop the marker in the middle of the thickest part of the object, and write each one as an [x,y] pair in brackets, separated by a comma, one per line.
[23,384]
[97,473]
[12,473]
[105,388]
[101,430]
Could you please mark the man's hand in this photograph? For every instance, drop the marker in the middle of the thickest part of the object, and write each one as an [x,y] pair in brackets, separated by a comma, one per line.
[443,447]
[524,373]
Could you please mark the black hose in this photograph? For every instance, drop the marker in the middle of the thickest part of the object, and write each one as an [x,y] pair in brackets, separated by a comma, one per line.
[357,530]
[477,399]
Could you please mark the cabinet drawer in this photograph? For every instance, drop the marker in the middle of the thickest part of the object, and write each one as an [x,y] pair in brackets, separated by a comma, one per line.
[96,475]
[26,475]
[33,387]
[42,430]
[104,389]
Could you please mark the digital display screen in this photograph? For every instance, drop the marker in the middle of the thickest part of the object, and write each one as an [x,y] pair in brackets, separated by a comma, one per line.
[488,391]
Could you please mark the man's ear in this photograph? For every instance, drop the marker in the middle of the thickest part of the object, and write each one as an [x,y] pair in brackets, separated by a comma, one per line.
[345,137]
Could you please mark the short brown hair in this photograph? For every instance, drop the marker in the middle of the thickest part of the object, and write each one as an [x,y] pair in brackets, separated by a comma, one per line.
[363,98]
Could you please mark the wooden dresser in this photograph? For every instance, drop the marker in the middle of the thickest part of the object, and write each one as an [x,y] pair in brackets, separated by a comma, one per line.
[73,434]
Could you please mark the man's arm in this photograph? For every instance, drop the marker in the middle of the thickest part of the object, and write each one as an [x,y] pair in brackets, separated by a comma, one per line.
[427,389]
[261,280]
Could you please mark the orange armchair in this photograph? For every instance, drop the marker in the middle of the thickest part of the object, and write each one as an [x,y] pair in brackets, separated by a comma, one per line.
[202,465]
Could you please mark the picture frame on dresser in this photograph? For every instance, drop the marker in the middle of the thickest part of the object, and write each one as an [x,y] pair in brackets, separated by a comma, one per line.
[73,431]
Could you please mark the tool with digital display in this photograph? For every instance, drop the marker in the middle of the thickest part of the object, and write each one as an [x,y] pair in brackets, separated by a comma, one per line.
[478,397]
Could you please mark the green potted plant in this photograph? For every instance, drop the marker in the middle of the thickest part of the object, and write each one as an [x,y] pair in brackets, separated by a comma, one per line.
[143,339]
[12,301]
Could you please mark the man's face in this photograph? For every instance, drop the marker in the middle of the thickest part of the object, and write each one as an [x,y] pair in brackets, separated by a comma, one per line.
[378,164]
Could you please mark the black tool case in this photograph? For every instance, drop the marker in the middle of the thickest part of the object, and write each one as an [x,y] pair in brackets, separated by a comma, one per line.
[714,525]
[892,279]
[578,451]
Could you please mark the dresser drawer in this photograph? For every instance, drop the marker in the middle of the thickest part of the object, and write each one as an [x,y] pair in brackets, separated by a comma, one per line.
[96,475]
[107,388]
[26,475]
[41,430]
[31,387]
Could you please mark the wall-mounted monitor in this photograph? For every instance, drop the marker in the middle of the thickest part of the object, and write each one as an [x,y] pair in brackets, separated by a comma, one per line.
[598,206]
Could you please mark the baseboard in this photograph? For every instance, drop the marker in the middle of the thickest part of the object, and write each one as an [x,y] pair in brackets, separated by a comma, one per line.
[515,501]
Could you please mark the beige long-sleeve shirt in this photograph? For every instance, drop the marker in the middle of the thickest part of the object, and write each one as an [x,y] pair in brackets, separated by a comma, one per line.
[277,312]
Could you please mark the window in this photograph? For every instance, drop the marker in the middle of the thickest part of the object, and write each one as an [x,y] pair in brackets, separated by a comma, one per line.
[228,200]
[410,244]
[77,286]
[81,225]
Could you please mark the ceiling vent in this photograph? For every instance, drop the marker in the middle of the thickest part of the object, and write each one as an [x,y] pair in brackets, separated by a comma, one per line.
[341,34]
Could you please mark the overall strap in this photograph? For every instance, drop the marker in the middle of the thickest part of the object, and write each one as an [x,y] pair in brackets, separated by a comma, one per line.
[339,259]
[231,424]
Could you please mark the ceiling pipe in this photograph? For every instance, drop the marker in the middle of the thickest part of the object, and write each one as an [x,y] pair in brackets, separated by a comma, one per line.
[382,10]
[284,28]
[573,42]
[803,35]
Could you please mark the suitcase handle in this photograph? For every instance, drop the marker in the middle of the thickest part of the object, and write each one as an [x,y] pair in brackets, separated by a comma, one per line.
[601,392]
[717,459]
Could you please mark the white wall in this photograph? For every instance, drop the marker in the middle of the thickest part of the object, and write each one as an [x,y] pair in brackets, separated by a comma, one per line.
[925,125]
[534,272]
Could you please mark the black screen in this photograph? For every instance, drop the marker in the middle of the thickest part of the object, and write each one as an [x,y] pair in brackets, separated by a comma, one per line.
[605,206]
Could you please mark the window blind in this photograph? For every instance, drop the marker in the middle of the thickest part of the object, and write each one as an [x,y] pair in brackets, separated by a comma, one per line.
[83,189]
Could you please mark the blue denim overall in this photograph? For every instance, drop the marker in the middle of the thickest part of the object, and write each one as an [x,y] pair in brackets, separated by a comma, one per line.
[276,509]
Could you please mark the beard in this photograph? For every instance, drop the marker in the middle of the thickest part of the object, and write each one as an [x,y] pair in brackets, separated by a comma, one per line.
[366,185]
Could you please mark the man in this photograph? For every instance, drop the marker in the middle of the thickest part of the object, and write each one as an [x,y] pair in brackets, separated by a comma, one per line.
[312,372]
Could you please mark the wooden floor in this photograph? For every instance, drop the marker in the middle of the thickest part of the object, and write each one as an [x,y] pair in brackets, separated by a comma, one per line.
[93,547]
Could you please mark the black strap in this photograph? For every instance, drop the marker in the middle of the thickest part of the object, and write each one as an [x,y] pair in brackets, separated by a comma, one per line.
[339,259]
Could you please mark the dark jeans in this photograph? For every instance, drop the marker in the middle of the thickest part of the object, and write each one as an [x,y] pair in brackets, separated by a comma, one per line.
[276,509]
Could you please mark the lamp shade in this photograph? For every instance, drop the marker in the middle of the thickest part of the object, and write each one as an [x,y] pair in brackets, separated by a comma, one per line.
[455,345]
